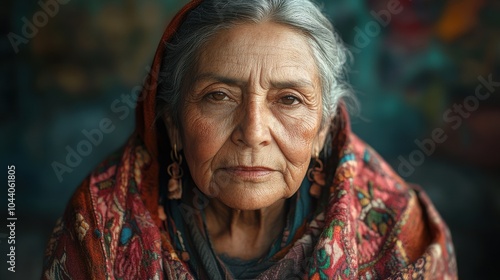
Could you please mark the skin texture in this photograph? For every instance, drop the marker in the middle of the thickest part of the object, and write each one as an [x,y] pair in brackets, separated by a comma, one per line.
[249,124]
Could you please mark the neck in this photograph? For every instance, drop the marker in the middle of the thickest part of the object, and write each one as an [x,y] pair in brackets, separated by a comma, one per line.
[244,234]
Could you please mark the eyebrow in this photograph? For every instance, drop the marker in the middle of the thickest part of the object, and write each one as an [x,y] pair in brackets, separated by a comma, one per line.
[296,83]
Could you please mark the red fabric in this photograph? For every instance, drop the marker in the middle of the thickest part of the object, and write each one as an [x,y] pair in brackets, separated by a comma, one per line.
[145,111]
[373,224]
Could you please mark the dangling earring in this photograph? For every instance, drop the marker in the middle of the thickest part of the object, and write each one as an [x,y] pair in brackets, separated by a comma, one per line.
[174,170]
[317,177]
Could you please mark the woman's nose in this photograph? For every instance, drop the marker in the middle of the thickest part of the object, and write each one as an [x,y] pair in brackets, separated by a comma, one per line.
[253,125]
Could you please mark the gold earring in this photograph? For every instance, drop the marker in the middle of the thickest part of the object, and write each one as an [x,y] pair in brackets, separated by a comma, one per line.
[175,172]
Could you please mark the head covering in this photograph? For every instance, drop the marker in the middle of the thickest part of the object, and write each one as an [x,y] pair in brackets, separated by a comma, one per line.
[367,224]
[146,114]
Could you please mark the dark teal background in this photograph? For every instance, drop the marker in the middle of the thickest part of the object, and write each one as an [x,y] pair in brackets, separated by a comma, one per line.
[408,72]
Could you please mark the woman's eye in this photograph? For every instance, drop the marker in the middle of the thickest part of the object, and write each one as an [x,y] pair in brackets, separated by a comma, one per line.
[218,96]
[289,100]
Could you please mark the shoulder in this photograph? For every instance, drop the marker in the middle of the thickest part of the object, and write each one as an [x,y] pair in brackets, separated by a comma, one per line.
[383,200]
[375,184]
[104,219]
[395,221]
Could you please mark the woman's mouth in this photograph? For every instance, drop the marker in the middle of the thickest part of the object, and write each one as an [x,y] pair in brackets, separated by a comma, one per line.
[249,173]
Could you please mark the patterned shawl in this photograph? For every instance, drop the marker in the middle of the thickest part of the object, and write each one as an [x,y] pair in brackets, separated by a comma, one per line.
[371,224]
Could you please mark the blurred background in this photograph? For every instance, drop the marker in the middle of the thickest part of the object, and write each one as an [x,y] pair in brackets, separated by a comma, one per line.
[417,67]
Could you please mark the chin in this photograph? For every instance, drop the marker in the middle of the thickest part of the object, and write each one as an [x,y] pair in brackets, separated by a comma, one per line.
[245,206]
[243,198]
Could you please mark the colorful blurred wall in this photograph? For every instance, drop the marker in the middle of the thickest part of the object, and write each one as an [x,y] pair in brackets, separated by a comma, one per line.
[426,73]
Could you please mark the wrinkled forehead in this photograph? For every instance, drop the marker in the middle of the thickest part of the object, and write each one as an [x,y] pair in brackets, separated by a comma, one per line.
[270,47]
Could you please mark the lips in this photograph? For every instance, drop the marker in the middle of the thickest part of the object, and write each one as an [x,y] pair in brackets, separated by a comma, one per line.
[249,173]
[250,168]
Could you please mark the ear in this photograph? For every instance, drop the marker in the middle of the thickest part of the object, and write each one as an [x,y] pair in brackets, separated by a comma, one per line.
[320,139]
[172,131]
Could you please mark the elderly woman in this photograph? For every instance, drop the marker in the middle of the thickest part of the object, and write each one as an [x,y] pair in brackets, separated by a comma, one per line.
[243,166]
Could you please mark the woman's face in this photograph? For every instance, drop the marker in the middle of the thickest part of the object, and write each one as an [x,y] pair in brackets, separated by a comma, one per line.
[251,115]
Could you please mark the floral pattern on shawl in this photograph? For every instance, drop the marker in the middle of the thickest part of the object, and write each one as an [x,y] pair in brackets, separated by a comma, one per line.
[365,230]
[370,223]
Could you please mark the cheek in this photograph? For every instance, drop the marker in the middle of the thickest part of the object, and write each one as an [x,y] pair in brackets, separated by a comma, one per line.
[202,139]
[298,136]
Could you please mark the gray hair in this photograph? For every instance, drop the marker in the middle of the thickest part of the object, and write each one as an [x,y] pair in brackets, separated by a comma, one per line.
[212,16]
